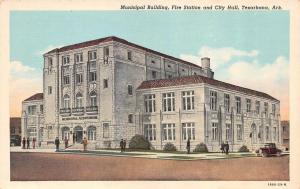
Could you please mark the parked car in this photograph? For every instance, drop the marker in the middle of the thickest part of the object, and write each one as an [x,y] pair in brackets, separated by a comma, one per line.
[269,149]
[15,140]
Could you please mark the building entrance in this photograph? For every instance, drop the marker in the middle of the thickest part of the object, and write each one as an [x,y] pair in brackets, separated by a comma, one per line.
[78,133]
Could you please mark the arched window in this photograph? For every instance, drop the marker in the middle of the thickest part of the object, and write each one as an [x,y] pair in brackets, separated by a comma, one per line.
[93,98]
[66,100]
[79,100]
[91,133]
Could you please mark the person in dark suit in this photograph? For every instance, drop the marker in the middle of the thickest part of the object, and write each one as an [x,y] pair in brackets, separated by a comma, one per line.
[74,138]
[33,143]
[223,147]
[124,145]
[57,144]
[226,147]
[188,145]
[121,145]
[28,142]
[66,142]
[23,143]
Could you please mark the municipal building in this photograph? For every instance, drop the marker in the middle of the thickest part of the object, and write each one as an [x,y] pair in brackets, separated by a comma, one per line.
[110,89]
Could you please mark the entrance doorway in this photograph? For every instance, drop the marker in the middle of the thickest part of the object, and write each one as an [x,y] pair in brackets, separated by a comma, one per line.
[78,134]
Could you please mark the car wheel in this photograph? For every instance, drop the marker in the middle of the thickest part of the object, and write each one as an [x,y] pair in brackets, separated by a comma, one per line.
[278,154]
[264,154]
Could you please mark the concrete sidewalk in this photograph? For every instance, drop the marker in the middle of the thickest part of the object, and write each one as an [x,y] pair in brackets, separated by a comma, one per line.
[139,154]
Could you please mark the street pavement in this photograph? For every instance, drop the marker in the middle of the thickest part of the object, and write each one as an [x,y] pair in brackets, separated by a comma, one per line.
[45,166]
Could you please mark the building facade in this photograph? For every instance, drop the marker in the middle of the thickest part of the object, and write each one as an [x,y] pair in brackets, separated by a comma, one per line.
[96,89]
[32,119]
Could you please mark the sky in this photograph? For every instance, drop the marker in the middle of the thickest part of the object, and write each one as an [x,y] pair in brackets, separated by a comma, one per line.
[249,48]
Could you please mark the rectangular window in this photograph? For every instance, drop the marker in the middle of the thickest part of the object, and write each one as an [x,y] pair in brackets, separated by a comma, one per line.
[79,78]
[213,100]
[248,103]
[31,110]
[168,102]
[93,100]
[188,100]
[65,60]
[267,133]
[130,118]
[50,62]
[273,109]
[149,101]
[31,132]
[92,55]
[49,89]
[227,102]
[238,104]
[188,131]
[129,55]
[154,74]
[106,51]
[214,128]
[239,132]
[129,89]
[41,109]
[228,132]
[150,131]
[257,107]
[93,76]
[66,80]
[266,108]
[105,83]
[169,131]
[66,103]
[78,57]
[274,133]
[105,130]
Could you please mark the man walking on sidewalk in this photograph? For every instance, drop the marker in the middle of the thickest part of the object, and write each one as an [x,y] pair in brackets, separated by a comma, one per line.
[188,145]
[66,142]
[121,145]
[57,144]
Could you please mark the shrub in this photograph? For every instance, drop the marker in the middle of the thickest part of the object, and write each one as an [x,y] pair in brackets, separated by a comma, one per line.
[139,142]
[201,148]
[169,147]
[243,149]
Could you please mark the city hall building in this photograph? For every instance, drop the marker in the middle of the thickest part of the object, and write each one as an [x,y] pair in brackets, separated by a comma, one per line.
[110,89]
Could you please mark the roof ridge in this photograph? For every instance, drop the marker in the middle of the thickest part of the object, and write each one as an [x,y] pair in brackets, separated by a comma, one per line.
[194,79]
[36,96]
[118,39]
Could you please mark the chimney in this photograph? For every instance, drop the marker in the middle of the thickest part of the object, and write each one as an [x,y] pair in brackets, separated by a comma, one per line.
[205,63]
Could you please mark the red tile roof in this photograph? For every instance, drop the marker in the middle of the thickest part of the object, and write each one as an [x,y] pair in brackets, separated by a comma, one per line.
[113,38]
[186,80]
[37,96]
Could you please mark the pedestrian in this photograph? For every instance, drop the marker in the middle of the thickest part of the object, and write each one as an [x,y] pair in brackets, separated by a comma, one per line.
[57,144]
[66,142]
[23,143]
[124,145]
[33,142]
[73,138]
[226,147]
[28,142]
[223,147]
[188,145]
[121,145]
[84,142]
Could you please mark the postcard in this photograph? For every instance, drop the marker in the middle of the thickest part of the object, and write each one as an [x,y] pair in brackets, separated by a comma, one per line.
[167,93]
